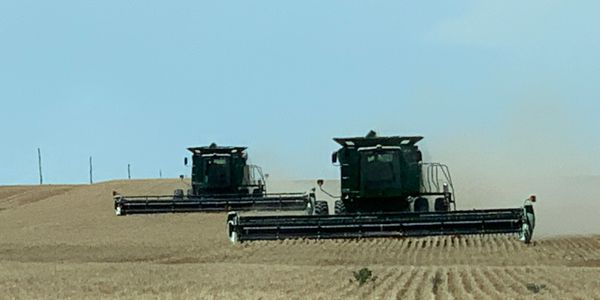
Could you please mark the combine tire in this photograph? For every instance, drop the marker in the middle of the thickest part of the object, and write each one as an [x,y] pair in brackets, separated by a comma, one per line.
[321,208]
[178,194]
[421,205]
[340,208]
[440,205]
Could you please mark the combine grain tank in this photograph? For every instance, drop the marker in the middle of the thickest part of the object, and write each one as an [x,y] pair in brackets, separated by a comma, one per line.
[222,180]
[386,191]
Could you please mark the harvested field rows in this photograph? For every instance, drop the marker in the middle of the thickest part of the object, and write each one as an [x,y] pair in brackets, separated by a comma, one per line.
[272,281]
[66,242]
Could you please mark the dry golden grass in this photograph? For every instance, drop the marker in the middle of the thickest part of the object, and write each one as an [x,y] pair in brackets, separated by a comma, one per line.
[66,242]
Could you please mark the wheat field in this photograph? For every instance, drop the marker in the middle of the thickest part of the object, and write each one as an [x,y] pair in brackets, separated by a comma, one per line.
[65,242]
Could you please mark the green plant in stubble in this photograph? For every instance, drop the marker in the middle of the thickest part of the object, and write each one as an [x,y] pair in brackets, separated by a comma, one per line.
[535,288]
[363,276]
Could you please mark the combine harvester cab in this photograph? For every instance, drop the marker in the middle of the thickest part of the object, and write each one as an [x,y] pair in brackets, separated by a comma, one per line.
[221,181]
[386,191]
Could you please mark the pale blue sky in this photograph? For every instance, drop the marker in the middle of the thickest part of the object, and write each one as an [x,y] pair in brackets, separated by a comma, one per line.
[510,84]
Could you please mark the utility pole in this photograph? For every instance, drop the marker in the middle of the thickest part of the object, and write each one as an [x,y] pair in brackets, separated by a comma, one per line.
[129,171]
[91,172]
[40,165]
[160,174]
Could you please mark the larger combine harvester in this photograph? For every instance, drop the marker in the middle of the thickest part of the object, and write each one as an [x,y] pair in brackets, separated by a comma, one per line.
[222,180]
[386,191]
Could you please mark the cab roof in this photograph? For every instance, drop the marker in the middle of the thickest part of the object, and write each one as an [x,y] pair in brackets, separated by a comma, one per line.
[372,140]
[213,148]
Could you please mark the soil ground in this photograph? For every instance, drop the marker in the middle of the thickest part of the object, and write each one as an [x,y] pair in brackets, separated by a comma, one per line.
[66,242]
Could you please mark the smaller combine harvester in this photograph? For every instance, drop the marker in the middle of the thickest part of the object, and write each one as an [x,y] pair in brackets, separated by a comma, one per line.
[222,180]
[386,191]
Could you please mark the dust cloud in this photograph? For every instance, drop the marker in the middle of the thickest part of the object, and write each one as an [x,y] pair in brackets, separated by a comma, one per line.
[536,150]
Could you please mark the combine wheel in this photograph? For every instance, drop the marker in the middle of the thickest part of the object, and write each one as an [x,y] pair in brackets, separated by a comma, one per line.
[321,208]
[340,208]
[440,205]
[178,194]
[421,205]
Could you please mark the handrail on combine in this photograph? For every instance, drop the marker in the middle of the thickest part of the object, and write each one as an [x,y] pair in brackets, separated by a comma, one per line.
[437,179]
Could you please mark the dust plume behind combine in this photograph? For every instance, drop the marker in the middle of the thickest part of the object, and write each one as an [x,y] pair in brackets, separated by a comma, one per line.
[536,148]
